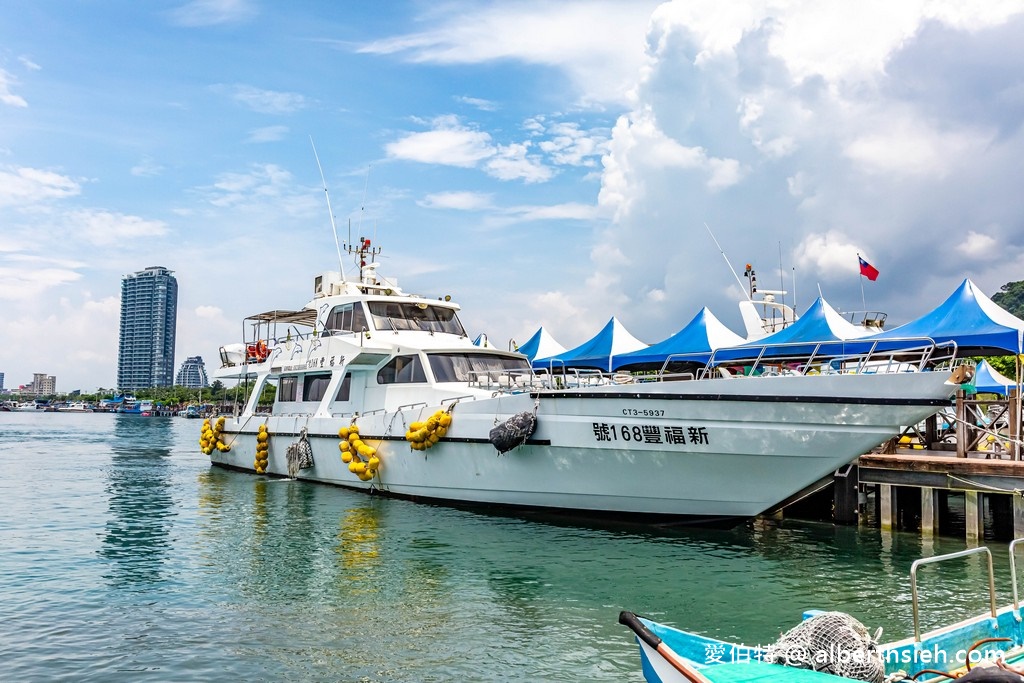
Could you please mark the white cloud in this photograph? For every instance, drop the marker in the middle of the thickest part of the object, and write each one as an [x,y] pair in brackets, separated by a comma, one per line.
[267,134]
[25,186]
[511,162]
[198,13]
[570,145]
[806,132]
[265,101]
[912,147]
[482,105]
[261,182]
[209,312]
[449,143]
[6,96]
[461,201]
[829,253]
[597,43]
[105,228]
[22,283]
[147,168]
[570,211]
[29,64]
[978,245]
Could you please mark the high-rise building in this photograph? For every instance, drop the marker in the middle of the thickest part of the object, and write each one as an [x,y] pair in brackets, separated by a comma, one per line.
[192,373]
[1,381]
[149,315]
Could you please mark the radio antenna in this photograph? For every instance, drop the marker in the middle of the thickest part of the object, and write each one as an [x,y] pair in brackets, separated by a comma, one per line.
[362,206]
[743,289]
[330,212]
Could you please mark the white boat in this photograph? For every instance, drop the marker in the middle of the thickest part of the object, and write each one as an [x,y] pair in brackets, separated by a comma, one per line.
[363,367]
[75,407]
[26,407]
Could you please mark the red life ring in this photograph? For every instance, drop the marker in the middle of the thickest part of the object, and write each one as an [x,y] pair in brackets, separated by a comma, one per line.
[261,350]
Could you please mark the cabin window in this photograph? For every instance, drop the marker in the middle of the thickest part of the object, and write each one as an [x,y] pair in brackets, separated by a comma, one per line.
[347,318]
[315,386]
[345,390]
[402,370]
[286,390]
[398,315]
[467,367]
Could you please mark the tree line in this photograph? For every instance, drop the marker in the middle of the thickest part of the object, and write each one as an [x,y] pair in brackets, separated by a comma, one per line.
[1010,297]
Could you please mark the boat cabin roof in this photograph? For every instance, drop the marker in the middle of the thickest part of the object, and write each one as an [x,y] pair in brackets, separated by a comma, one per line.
[306,316]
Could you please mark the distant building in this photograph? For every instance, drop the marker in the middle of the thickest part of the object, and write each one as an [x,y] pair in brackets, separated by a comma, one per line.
[42,385]
[192,373]
[149,315]
[1,381]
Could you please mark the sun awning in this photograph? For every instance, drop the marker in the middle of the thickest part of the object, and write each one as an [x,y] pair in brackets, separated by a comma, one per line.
[307,316]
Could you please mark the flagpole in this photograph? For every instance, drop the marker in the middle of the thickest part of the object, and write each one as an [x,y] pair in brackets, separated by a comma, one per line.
[863,301]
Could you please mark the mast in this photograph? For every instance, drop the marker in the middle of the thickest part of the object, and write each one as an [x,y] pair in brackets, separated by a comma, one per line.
[330,212]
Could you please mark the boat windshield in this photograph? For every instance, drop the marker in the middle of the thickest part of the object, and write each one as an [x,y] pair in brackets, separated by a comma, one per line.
[397,315]
[467,367]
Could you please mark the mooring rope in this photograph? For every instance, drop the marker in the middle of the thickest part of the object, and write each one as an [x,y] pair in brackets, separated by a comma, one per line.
[986,487]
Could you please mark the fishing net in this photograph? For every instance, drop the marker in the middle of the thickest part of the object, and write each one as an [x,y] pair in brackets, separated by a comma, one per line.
[513,432]
[832,642]
[299,455]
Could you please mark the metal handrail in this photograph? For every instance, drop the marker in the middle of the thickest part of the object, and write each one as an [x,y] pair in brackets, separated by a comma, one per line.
[951,556]
[1013,576]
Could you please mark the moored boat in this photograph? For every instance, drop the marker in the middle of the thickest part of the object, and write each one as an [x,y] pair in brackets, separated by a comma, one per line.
[832,646]
[132,406]
[75,407]
[390,395]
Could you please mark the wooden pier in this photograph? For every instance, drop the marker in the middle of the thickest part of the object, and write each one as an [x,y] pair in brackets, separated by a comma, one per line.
[925,474]
[915,480]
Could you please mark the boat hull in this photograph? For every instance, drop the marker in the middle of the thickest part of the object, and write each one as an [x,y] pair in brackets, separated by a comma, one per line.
[700,449]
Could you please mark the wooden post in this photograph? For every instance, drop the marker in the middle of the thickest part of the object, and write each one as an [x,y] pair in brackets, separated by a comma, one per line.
[930,431]
[844,495]
[929,511]
[1013,416]
[972,515]
[961,425]
[1018,515]
[885,499]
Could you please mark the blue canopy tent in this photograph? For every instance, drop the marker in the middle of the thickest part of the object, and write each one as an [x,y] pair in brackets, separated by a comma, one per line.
[968,317]
[704,333]
[988,380]
[540,346]
[595,353]
[819,330]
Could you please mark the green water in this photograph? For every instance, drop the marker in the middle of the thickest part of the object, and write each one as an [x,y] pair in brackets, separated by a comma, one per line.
[124,556]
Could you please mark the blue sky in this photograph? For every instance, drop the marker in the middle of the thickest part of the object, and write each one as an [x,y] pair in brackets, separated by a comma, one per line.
[544,163]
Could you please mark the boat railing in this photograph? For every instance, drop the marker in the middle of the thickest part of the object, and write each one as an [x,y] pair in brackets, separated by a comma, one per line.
[1013,576]
[952,556]
[913,354]
[455,399]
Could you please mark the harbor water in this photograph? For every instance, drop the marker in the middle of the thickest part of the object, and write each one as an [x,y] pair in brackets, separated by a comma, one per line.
[124,556]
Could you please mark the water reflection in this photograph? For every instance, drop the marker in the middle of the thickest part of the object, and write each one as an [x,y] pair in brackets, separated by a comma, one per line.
[140,507]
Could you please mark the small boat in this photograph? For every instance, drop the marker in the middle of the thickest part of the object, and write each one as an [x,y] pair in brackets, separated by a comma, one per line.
[390,395]
[831,646]
[132,406]
[75,407]
[27,407]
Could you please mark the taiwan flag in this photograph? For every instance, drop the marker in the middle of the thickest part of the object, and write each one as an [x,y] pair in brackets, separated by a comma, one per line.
[868,270]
